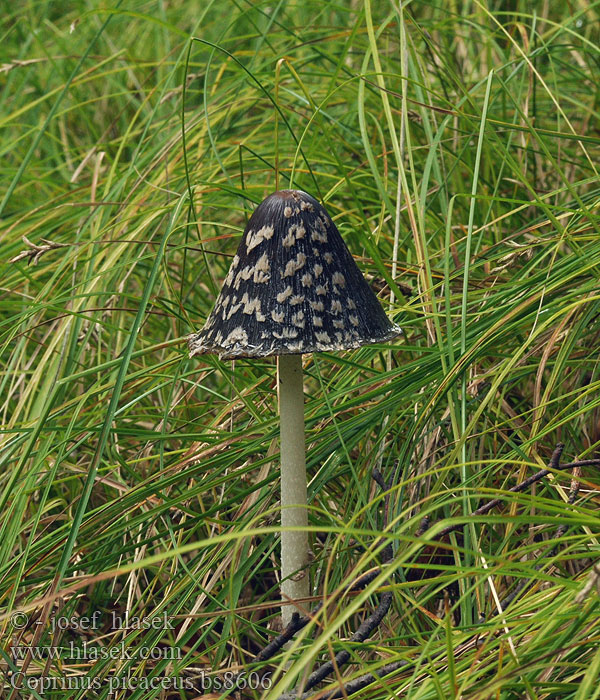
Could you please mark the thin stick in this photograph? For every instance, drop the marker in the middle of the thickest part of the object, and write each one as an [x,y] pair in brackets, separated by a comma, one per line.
[352,686]
[294,544]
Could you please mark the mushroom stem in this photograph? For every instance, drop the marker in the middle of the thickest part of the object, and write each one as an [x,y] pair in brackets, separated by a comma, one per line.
[294,543]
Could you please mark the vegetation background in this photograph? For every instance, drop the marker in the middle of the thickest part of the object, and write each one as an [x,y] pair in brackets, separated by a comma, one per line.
[456,145]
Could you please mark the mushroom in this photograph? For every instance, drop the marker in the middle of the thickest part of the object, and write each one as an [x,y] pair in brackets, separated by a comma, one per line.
[292,288]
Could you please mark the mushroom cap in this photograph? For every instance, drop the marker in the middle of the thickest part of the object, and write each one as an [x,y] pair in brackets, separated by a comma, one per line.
[292,288]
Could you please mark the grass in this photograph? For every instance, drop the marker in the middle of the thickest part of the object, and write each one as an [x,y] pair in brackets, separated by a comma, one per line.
[456,146]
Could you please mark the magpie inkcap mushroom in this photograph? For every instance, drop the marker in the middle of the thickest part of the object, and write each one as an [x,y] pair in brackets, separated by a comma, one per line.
[292,288]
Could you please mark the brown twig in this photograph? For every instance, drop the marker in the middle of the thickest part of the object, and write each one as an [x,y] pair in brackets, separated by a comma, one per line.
[35,251]
[351,686]
[294,625]
[297,622]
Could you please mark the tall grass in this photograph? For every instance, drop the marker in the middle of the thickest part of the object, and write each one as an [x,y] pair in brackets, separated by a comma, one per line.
[456,145]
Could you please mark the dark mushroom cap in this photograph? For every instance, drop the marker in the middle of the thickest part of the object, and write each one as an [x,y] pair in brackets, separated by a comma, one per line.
[293,287]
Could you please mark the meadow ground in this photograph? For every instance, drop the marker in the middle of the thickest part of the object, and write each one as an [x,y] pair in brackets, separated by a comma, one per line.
[456,145]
